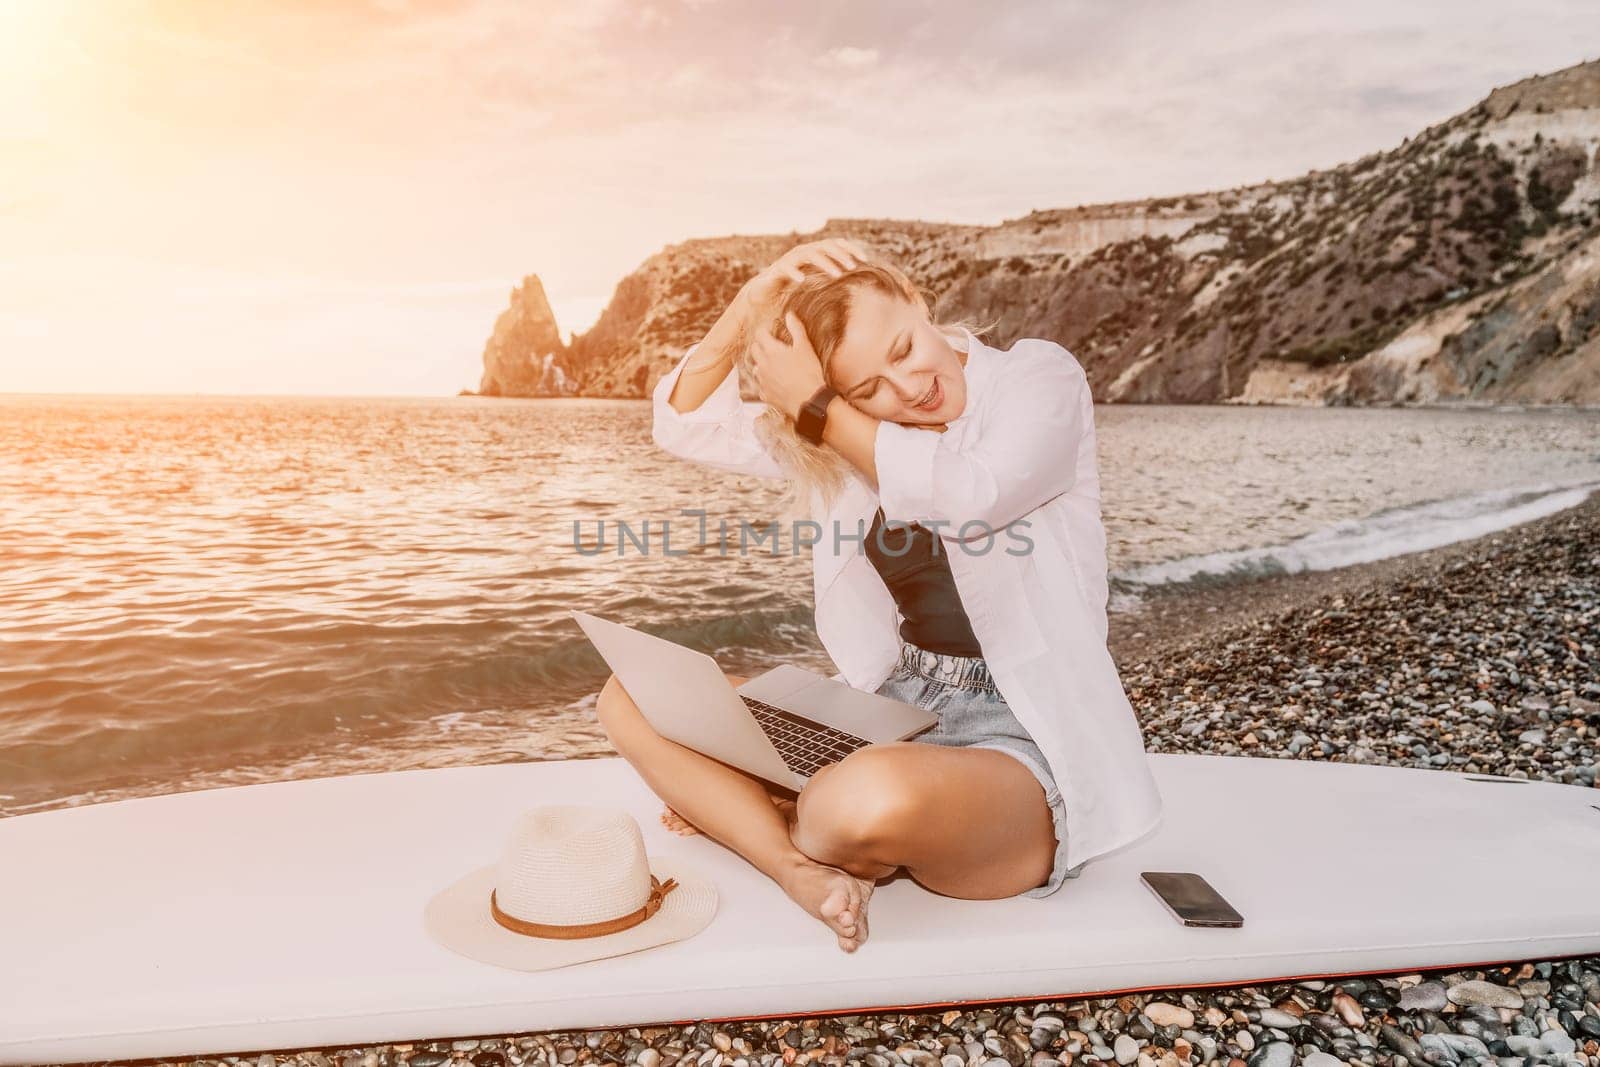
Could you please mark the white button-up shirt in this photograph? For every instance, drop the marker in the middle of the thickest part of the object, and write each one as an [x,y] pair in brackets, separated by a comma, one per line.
[1017,469]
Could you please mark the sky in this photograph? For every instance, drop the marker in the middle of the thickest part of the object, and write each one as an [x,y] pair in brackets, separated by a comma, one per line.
[325,197]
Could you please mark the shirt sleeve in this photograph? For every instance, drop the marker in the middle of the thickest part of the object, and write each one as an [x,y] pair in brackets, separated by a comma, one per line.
[1026,454]
[719,433]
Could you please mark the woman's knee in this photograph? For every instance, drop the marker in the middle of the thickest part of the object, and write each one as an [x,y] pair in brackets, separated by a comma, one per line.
[621,718]
[863,802]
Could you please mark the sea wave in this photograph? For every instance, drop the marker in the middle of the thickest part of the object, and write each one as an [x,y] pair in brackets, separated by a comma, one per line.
[1390,532]
[208,591]
[364,685]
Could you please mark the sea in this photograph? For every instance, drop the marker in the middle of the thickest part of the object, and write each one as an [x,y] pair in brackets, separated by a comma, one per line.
[202,591]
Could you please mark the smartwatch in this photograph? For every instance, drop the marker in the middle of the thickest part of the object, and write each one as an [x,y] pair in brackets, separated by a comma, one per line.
[813,414]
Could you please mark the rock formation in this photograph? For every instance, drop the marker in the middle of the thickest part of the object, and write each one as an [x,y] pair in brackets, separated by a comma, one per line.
[1463,264]
[524,355]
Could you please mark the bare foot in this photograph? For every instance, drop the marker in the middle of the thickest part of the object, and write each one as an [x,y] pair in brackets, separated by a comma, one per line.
[835,896]
[684,828]
[677,823]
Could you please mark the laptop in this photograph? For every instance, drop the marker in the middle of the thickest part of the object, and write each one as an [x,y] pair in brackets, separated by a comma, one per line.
[783,725]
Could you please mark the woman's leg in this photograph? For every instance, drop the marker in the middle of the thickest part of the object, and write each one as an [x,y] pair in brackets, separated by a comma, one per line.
[736,809]
[965,822]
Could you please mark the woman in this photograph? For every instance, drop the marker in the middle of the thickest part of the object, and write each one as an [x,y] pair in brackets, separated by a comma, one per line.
[978,591]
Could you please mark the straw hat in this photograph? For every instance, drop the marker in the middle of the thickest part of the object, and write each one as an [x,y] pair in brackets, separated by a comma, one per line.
[573,884]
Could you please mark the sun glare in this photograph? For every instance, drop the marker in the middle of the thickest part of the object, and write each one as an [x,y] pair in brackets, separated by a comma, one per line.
[33,34]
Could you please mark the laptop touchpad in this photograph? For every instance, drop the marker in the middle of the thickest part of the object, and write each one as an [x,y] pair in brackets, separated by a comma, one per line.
[855,711]
[777,685]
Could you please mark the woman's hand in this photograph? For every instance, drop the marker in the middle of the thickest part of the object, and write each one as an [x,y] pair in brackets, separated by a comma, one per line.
[785,375]
[763,294]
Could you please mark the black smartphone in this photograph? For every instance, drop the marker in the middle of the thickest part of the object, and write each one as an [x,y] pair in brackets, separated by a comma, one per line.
[1191,899]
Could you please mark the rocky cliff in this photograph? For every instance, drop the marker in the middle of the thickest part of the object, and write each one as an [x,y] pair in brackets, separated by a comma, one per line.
[525,355]
[1463,264]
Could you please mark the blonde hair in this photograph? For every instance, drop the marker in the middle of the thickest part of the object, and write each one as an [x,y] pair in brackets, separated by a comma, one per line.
[822,303]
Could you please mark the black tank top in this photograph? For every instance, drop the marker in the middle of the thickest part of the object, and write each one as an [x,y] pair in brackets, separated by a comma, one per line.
[917,573]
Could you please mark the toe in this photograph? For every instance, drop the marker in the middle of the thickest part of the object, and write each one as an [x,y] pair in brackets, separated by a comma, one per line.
[861,928]
[835,903]
[839,910]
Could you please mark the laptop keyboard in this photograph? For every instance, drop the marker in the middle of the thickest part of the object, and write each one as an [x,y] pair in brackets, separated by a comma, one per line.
[805,745]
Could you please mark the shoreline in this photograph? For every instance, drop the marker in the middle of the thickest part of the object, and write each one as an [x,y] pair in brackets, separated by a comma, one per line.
[1481,656]
[1410,405]
[1170,617]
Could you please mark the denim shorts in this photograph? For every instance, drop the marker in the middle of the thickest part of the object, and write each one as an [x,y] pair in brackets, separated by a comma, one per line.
[973,714]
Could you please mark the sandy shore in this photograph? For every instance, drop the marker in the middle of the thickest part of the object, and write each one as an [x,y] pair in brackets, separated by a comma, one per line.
[1480,656]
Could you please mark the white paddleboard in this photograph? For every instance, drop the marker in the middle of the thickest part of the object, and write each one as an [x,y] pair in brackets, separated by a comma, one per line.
[288,915]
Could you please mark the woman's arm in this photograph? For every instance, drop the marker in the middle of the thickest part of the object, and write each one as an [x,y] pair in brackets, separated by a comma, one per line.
[757,298]
[788,374]
[1027,453]
[711,359]
[851,432]
[698,413]
[719,431]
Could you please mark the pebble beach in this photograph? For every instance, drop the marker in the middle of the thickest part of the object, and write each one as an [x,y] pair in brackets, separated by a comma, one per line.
[1482,656]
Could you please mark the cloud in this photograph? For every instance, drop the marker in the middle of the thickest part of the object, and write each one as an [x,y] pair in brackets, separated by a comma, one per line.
[851,57]
[651,17]
[220,179]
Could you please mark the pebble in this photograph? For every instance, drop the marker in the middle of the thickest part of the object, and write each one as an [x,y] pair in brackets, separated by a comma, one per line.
[1401,1042]
[1163,1014]
[1428,996]
[1458,1044]
[1485,993]
[1524,1045]
[1349,1009]
[1125,1048]
[1281,1019]
[1272,1054]
[1557,1042]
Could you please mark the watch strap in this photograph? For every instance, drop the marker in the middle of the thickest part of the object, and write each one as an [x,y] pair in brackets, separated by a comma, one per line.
[814,414]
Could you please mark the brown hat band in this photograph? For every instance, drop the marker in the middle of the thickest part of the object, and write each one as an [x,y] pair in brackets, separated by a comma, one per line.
[658,890]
